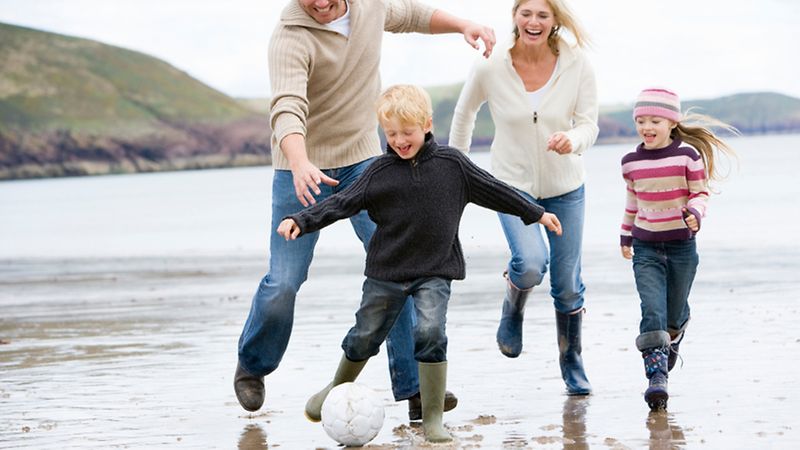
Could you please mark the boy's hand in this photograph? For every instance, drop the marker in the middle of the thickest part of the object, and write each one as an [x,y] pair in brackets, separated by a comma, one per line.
[550,221]
[691,220]
[627,252]
[288,229]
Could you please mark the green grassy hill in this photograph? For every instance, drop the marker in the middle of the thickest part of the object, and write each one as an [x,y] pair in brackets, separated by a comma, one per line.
[72,106]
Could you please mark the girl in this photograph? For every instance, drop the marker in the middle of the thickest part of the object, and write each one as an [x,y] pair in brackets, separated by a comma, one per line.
[667,192]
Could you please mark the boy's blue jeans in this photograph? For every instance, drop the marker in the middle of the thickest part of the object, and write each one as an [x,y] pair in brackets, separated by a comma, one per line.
[530,255]
[382,303]
[664,272]
[266,332]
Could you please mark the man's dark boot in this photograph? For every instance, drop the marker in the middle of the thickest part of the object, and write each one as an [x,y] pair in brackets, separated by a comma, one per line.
[568,327]
[249,389]
[509,332]
[415,405]
[655,368]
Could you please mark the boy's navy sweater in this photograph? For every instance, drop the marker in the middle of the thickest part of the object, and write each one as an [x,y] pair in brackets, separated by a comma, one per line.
[417,205]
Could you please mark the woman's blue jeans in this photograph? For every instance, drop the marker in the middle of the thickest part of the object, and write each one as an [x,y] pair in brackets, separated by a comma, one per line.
[382,303]
[269,324]
[664,272]
[530,256]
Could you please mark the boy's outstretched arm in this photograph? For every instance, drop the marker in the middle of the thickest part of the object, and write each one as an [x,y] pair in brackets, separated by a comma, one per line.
[551,222]
[288,229]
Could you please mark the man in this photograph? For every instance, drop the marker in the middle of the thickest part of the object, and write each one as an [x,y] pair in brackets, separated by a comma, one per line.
[324,60]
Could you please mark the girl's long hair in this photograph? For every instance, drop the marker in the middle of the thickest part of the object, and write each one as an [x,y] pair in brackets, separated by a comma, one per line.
[697,130]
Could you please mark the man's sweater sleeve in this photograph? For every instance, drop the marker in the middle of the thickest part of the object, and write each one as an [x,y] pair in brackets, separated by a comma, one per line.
[407,16]
[487,191]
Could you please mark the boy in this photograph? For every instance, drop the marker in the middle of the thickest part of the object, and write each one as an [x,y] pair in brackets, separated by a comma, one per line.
[415,194]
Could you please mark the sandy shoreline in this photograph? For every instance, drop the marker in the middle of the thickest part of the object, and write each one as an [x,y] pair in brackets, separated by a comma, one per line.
[139,353]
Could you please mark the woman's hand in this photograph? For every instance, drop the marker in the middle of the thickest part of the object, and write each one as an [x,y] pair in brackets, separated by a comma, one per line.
[559,142]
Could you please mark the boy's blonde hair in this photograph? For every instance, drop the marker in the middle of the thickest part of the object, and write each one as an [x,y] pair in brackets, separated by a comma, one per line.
[409,104]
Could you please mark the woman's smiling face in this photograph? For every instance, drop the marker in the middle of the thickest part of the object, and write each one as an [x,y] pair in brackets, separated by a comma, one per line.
[534,20]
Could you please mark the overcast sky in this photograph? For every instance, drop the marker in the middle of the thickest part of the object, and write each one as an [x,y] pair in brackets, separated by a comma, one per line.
[699,48]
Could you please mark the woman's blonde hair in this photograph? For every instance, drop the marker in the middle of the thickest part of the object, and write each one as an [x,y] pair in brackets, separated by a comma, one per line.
[409,104]
[697,130]
[565,18]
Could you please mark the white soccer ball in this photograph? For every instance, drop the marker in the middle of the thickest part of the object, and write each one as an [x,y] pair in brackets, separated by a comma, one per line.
[352,414]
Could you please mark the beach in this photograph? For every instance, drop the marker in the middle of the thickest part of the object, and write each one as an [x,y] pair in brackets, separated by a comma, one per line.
[120,318]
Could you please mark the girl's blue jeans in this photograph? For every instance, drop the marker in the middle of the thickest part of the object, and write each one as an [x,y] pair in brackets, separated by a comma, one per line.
[664,272]
[381,305]
[530,255]
[269,324]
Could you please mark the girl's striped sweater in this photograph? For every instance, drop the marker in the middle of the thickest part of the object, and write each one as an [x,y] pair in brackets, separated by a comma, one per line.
[661,183]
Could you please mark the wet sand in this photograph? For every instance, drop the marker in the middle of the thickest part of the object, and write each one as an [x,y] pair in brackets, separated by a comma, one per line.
[140,353]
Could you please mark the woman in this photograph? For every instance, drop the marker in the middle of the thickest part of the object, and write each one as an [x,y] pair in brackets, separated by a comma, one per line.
[542,98]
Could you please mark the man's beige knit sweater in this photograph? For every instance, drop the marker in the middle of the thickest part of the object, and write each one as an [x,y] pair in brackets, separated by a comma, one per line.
[324,85]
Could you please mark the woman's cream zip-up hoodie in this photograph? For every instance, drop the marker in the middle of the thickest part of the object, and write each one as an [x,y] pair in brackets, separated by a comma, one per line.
[519,150]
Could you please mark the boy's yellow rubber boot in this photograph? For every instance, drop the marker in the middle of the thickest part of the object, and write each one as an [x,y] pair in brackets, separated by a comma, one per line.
[348,371]
[432,382]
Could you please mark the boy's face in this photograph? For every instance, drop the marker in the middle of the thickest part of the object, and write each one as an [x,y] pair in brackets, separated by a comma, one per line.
[405,139]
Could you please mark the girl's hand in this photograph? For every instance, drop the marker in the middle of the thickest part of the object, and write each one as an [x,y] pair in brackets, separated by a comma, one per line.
[627,252]
[288,229]
[691,220]
[550,221]
[559,143]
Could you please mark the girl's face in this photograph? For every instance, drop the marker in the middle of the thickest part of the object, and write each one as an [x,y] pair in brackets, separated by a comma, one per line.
[405,139]
[324,11]
[654,131]
[534,20]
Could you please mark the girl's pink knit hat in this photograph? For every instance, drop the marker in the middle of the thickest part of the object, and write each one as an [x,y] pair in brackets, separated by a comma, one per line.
[658,102]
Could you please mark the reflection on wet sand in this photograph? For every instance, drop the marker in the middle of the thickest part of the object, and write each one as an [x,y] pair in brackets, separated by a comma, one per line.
[139,353]
[253,438]
[574,417]
[664,433]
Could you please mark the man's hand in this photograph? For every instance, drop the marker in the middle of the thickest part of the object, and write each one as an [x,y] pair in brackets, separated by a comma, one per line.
[551,222]
[474,32]
[307,178]
[288,229]
[444,22]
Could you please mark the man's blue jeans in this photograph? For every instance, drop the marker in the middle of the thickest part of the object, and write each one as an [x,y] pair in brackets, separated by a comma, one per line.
[266,332]
[381,304]
[530,255]
[664,272]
